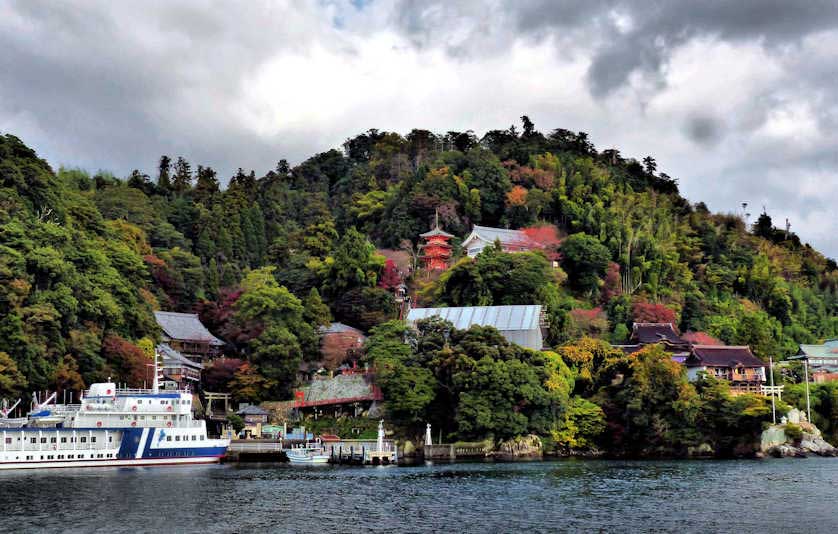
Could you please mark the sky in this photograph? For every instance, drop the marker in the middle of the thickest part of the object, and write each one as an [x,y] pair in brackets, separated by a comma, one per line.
[737,100]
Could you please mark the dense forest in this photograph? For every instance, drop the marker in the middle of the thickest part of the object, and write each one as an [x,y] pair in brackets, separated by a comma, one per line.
[266,260]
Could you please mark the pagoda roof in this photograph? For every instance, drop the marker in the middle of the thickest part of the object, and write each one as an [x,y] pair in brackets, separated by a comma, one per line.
[436,231]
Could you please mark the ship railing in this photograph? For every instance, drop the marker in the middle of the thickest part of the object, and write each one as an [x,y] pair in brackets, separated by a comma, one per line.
[140,391]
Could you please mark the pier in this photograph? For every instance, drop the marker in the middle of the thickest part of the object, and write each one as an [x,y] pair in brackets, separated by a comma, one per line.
[362,452]
[344,452]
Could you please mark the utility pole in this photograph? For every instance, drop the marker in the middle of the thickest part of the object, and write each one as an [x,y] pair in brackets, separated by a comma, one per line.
[806,374]
[773,404]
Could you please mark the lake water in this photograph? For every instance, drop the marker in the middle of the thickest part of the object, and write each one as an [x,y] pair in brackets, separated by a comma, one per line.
[790,495]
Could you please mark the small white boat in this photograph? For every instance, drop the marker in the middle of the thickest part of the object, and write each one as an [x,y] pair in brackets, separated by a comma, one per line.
[307,455]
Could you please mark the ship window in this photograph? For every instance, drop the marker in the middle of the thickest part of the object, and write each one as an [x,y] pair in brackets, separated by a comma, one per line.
[92,439]
[33,440]
[8,440]
[194,438]
[60,456]
[43,440]
[177,438]
[71,456]
[84,439]
[110,439]
[52,440]
[168,438]
[63,440]
[140,401]
[81,456]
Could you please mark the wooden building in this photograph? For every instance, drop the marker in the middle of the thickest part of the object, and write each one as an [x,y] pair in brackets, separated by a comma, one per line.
[436,251]
[179,369]
[734,364]
[666,334]
[185,333]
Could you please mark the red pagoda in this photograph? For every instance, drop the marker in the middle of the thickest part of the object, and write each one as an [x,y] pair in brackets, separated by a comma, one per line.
[436,250]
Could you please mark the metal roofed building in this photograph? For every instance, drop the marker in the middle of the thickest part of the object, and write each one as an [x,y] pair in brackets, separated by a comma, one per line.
[483,236]
[822,360]
[520,324]
[822,356]
[186,333]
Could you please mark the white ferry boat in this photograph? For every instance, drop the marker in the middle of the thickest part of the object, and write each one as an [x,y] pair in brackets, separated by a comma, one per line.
[110,427]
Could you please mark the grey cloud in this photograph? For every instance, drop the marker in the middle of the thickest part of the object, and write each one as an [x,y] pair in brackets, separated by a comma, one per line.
[703,130]
[114,85]
[120,84]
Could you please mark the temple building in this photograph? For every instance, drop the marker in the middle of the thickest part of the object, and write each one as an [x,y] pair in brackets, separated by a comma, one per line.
[178,370]
[510,240]
[734,364]
[436,250]
[185,333]
[666,334]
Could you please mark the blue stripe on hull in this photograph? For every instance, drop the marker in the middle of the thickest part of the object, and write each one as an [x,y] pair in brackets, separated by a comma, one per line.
[130,442]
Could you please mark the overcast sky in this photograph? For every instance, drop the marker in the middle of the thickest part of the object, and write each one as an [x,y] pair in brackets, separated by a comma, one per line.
[738,100]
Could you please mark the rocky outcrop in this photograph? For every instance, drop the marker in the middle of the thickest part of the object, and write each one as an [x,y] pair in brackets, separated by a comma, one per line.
[520,448]
[795,441]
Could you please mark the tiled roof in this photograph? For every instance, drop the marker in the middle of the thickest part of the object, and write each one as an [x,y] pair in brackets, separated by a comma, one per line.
[723,356]
[648,333]
[504,235]
[185,327]
[504,318]
[253,410]
[173,357]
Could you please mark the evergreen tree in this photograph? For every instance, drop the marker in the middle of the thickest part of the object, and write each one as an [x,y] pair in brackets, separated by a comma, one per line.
[182,180]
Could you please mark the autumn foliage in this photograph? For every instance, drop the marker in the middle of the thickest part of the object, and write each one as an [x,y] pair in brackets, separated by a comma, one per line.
[648,312]
[700,338]
[127,360]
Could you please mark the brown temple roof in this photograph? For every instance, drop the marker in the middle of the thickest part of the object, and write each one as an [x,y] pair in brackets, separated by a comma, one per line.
[723,356]
[648,333]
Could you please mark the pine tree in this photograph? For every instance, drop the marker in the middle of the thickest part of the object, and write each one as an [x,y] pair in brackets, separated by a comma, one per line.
[182,181]
[206,185]
[164,181]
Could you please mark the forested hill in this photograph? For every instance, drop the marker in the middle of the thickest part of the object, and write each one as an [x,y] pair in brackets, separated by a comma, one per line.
[85,259]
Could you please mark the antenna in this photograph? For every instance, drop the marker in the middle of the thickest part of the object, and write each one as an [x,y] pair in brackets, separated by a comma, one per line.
[155,388]
[788,227]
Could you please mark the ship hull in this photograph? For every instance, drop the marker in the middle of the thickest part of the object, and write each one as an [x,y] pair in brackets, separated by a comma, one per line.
[129,462]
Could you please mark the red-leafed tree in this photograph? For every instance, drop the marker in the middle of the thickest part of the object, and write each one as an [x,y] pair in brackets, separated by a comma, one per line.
[218,317]
[218,375]
[592,323]
[545,237]
[127,360]
[390,278]
[700,338]
[612,286]
[648,312]
[340,347]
